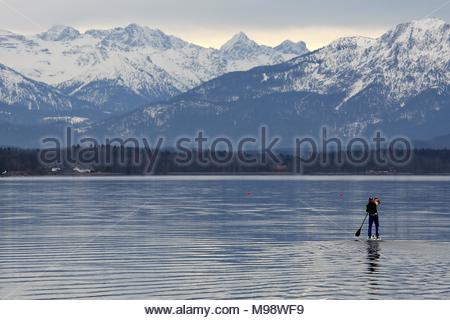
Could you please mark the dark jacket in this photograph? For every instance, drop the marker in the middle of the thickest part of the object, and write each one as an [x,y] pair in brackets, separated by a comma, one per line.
[372,208]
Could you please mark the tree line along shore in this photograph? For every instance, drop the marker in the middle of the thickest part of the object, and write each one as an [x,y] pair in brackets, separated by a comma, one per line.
[101,160]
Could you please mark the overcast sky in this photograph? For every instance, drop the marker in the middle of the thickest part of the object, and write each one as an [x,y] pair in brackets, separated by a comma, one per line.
[212,22]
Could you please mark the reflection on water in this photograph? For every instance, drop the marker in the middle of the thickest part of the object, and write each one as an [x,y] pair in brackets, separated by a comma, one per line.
[373,263]
[373,255]
[221,239]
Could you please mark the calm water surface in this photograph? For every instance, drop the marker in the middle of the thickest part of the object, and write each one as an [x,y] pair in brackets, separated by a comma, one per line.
[222,238]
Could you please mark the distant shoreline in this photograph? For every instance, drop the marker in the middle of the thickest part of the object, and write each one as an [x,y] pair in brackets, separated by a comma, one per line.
[220,174]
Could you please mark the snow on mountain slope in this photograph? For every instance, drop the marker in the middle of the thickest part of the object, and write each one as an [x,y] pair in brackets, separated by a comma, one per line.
[405,61]
[288,46]
[242,53]
[145,63]
[18,90]
[59,33]
[410,58]
[398,83]
[325,71]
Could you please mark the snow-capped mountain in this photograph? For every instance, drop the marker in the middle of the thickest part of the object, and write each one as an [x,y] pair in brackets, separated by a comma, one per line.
[399,83]
[20,95]
[290,47]
[17,90]
[407,60]
[121,68]
[59,33]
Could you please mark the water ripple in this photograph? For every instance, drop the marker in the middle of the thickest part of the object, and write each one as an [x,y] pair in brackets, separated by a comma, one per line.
[207,239]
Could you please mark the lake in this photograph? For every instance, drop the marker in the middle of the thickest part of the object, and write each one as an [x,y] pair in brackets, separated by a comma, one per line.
[223,237]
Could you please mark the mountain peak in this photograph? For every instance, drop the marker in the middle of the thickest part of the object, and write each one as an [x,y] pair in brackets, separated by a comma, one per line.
[59,33]
[135,35]
[290,47]
[419,26]
[426,32]
[240,36]
[239,40]
[134,27]
[427,23]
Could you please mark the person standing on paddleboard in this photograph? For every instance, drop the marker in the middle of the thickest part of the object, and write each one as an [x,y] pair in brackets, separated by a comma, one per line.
[371,209]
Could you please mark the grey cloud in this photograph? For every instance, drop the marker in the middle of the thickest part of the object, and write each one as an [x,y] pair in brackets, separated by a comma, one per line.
[243,14]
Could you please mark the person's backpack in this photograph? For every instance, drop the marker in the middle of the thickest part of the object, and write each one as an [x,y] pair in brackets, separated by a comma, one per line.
[371,208]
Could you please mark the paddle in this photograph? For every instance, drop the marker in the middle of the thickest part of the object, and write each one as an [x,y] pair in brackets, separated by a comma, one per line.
[357,233]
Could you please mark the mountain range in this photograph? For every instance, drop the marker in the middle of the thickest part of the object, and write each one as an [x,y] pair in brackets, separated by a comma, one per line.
[116,70]
[397,83]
